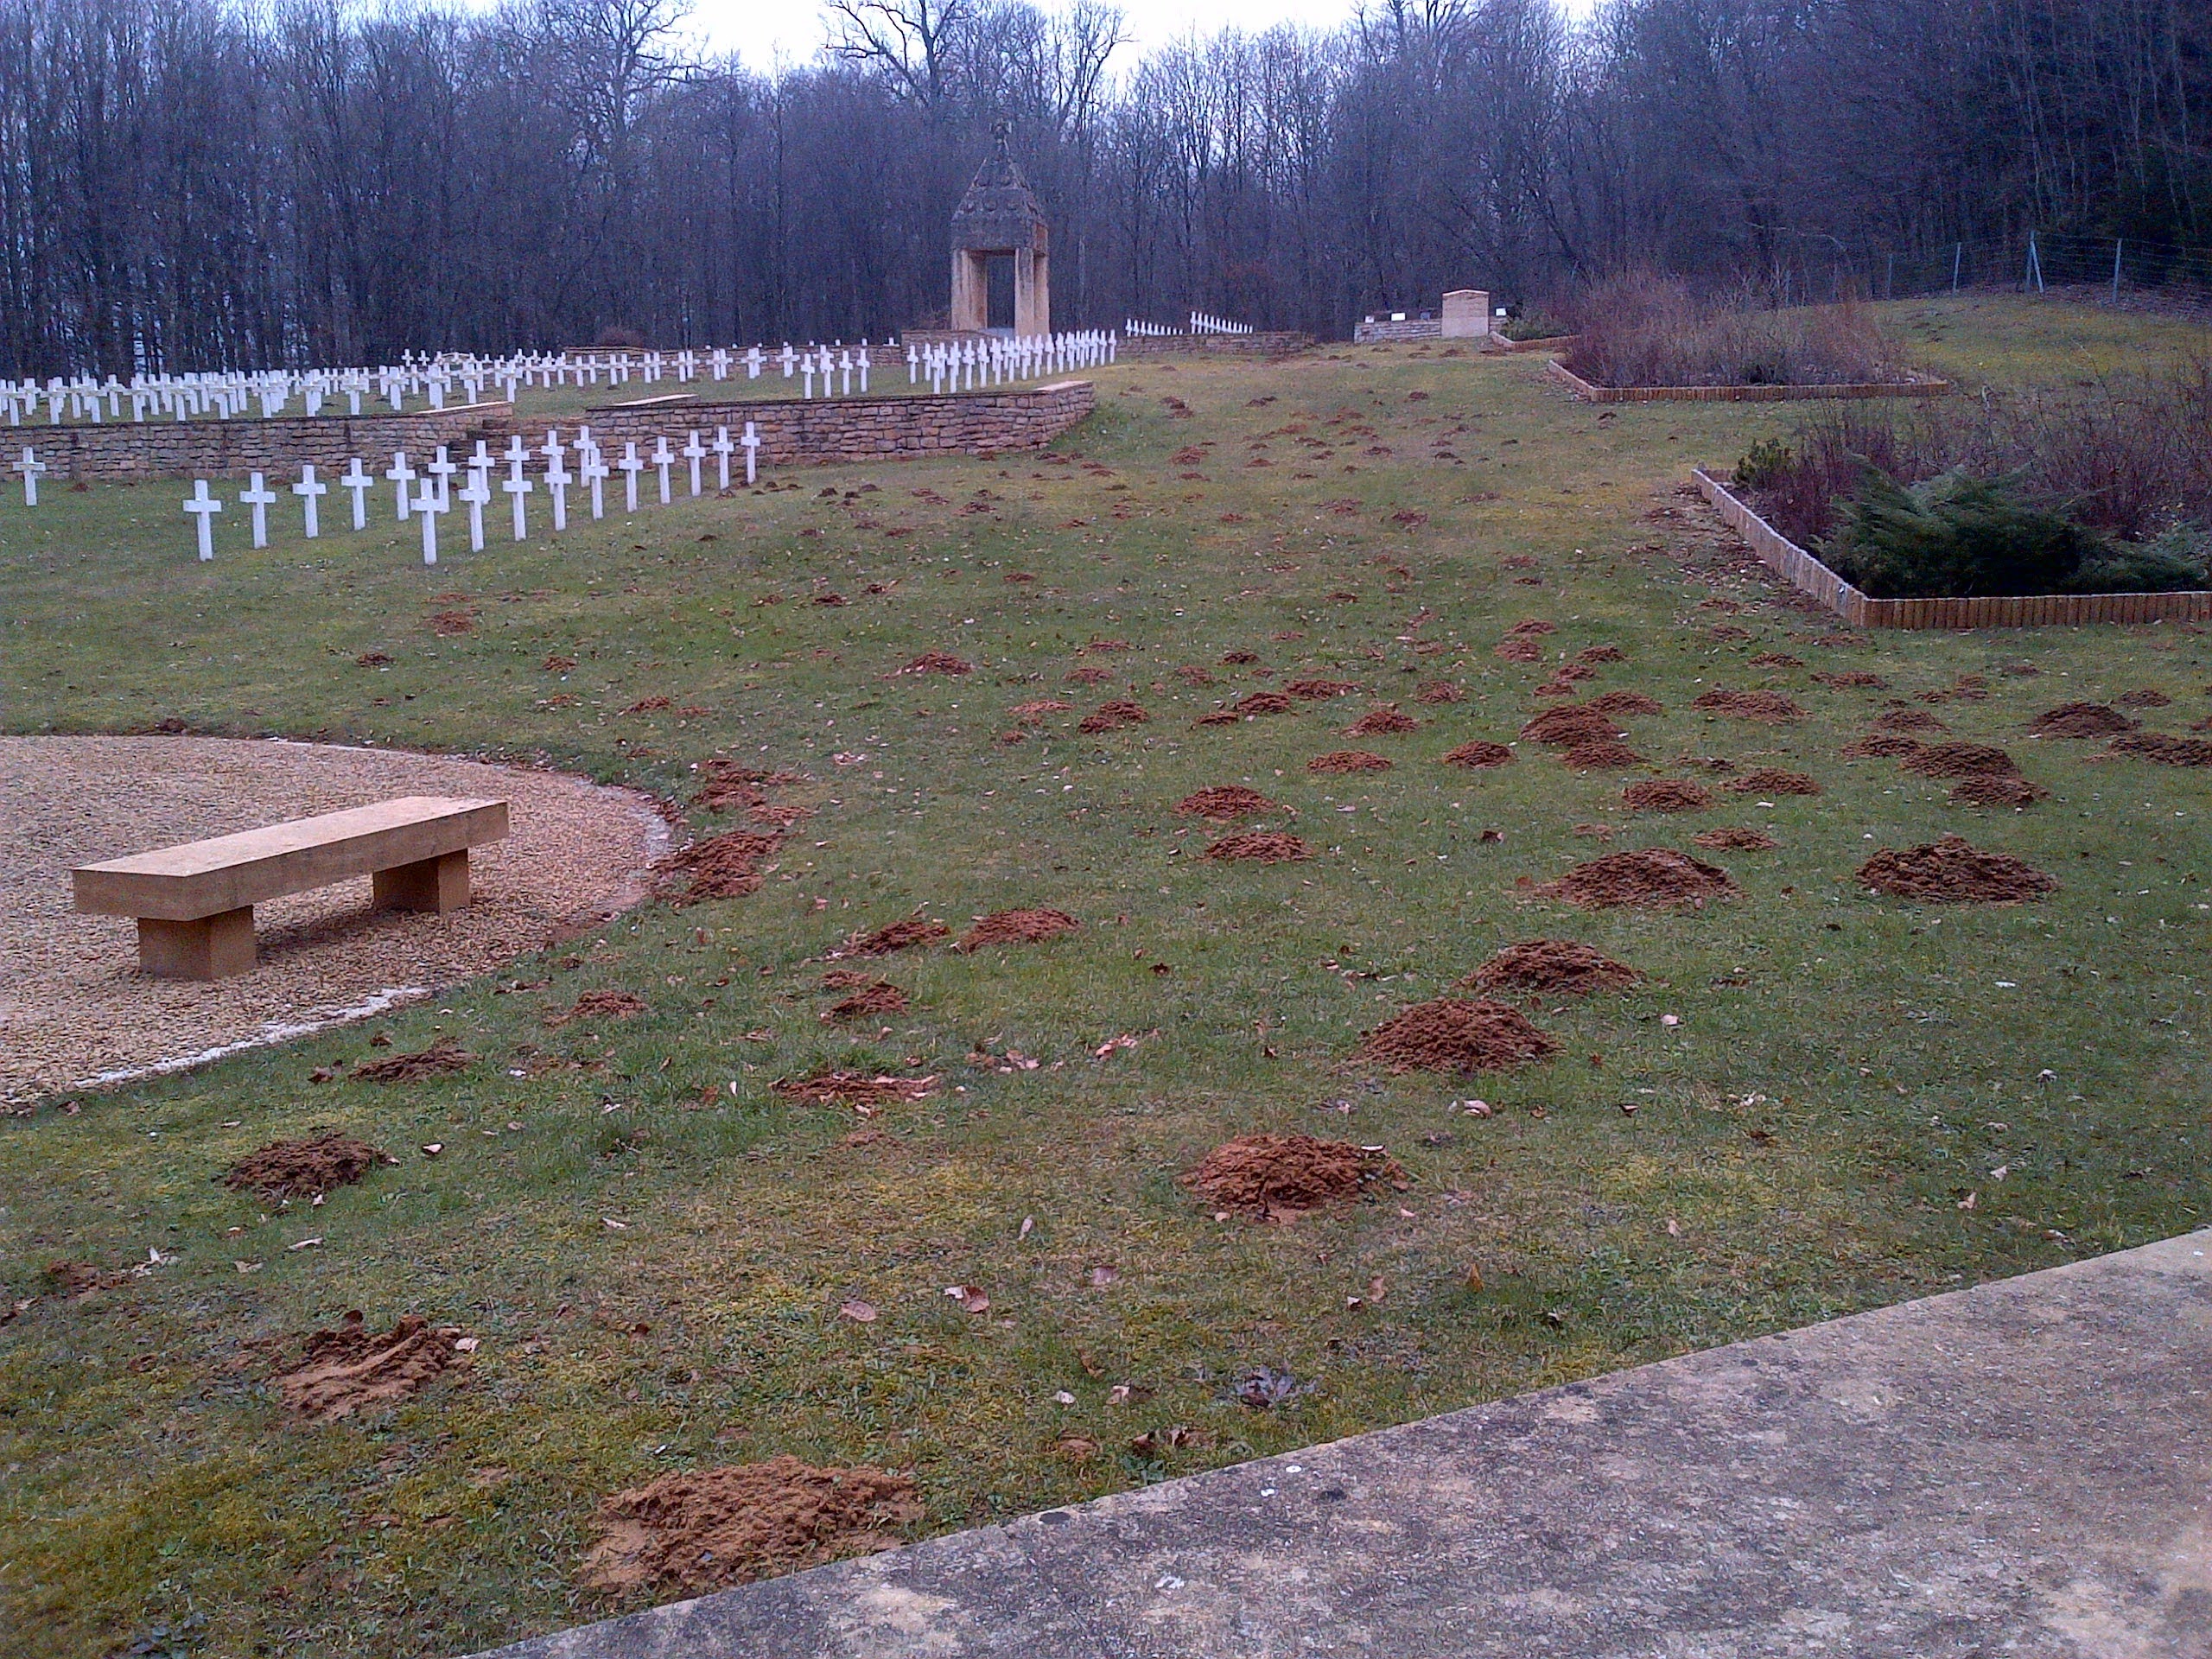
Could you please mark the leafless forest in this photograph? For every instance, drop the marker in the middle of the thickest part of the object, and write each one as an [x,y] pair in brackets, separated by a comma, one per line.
[192,184]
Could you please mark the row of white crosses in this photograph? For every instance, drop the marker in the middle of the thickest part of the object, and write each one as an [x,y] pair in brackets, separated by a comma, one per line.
[432,381]
[426,493]
[964,364]
[1201,324]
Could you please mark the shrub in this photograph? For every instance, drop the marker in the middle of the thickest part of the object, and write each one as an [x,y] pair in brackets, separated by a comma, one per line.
[1644,330]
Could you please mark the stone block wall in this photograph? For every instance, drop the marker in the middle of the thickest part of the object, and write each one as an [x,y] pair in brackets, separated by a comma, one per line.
[126,451]
[1271,343]
[1363,334]
[823,430]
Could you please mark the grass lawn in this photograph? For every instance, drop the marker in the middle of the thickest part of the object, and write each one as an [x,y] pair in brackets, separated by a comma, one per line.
[1840,1100]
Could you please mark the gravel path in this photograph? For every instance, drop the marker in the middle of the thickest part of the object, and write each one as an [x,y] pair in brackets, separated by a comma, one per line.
[74,1007]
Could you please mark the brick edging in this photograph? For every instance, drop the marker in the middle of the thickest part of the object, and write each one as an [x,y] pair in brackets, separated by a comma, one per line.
[1590,394]
[1809,577]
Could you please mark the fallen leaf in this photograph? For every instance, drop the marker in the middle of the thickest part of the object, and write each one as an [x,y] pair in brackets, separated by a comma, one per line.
[1028,1226]
[305,1244]
[467,1345]
[1474,1276]
[860,1313]
[433,1148]
[613,1225]
[971,1300]
[1064,1398]
[1101,1277]
[247,1267]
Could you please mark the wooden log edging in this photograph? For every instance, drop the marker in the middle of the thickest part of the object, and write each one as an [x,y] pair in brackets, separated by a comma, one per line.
[1811,578]
[1916,387]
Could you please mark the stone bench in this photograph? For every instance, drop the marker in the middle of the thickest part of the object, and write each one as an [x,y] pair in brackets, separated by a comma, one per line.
[194,903]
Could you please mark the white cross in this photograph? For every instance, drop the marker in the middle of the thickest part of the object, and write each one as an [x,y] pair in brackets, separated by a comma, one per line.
[32,468]
[663,460]
[806,368]
[845,372]
[306,489]
[475,494]
[594,474]
[694,452]
[202,504]
[864,368]
[442,471]
[631,466]
[787,359]
[259,500]
[751,443]
[752,363]
[722,447]
[913,364]
[516,487]
[357,481]
[427,506]
[553,448]
[556,481]
[400,474]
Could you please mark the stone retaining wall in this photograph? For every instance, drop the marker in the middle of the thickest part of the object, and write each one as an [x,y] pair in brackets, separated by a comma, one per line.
[824,430]
[1273,343]
[128,451]
[1364,334]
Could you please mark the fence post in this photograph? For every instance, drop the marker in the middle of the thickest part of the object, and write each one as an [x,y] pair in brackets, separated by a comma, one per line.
[2117,244]
[1890,277]
[1958,255]
[2035,264]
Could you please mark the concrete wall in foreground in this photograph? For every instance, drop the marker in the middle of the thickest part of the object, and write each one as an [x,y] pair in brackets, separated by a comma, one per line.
[123,451]
[822,430]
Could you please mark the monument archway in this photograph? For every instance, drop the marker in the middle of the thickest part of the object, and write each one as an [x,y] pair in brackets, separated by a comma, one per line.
[1000,216]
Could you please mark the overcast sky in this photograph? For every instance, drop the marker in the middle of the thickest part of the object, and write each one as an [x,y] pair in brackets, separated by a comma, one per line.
[759,29]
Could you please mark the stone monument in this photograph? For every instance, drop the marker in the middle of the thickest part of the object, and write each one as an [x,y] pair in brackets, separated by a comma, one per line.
[1000,215]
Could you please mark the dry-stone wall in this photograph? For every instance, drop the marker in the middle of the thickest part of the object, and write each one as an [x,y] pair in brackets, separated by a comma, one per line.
[1272,343]
[799,431]
[122,451]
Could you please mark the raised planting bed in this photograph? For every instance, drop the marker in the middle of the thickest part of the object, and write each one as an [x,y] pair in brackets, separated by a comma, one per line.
[1803,571]
[1917,386]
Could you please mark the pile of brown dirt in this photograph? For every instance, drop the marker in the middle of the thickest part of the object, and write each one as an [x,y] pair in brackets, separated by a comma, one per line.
[597,1004]
[1320,690]
[720,867]
[1989,791]
[1281,1177]
[1776,659]
[1857,678]
[1021,926]
[1382,722]
[1772,780]
[442,1059]
[852,1089]
[1518,650]
[1602,756]
[1601,654]
[351,1370]
[1436,693]
[1263,703]
[1086,677]
[297,1169]
[1960,760]
[1218,717]
[1569,724]
[1665,795]
[1033,713]
[1238,658]
[1881,746]
[1112,716]
[1534,627]
[1478,753]
[2166,751]
[1192,674]
[2081,719]
[1228,801]
[939,662]
[1348,761]
[1767,708]
[1573,673]
[2148,697]
[901,935]
[701,1530]
[1458,1034]
[1658,878]
[1267,847]
[1556,965]
[1626,702]
[1909,720]
[869,1001]
[1733,840]
[1950,870]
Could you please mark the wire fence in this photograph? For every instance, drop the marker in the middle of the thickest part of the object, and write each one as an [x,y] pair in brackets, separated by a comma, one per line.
[2120,270]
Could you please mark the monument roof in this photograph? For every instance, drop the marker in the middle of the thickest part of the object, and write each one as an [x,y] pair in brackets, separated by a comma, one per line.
[1000,209]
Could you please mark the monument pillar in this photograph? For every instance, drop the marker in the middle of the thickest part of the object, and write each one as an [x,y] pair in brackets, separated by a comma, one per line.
[1000,216]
